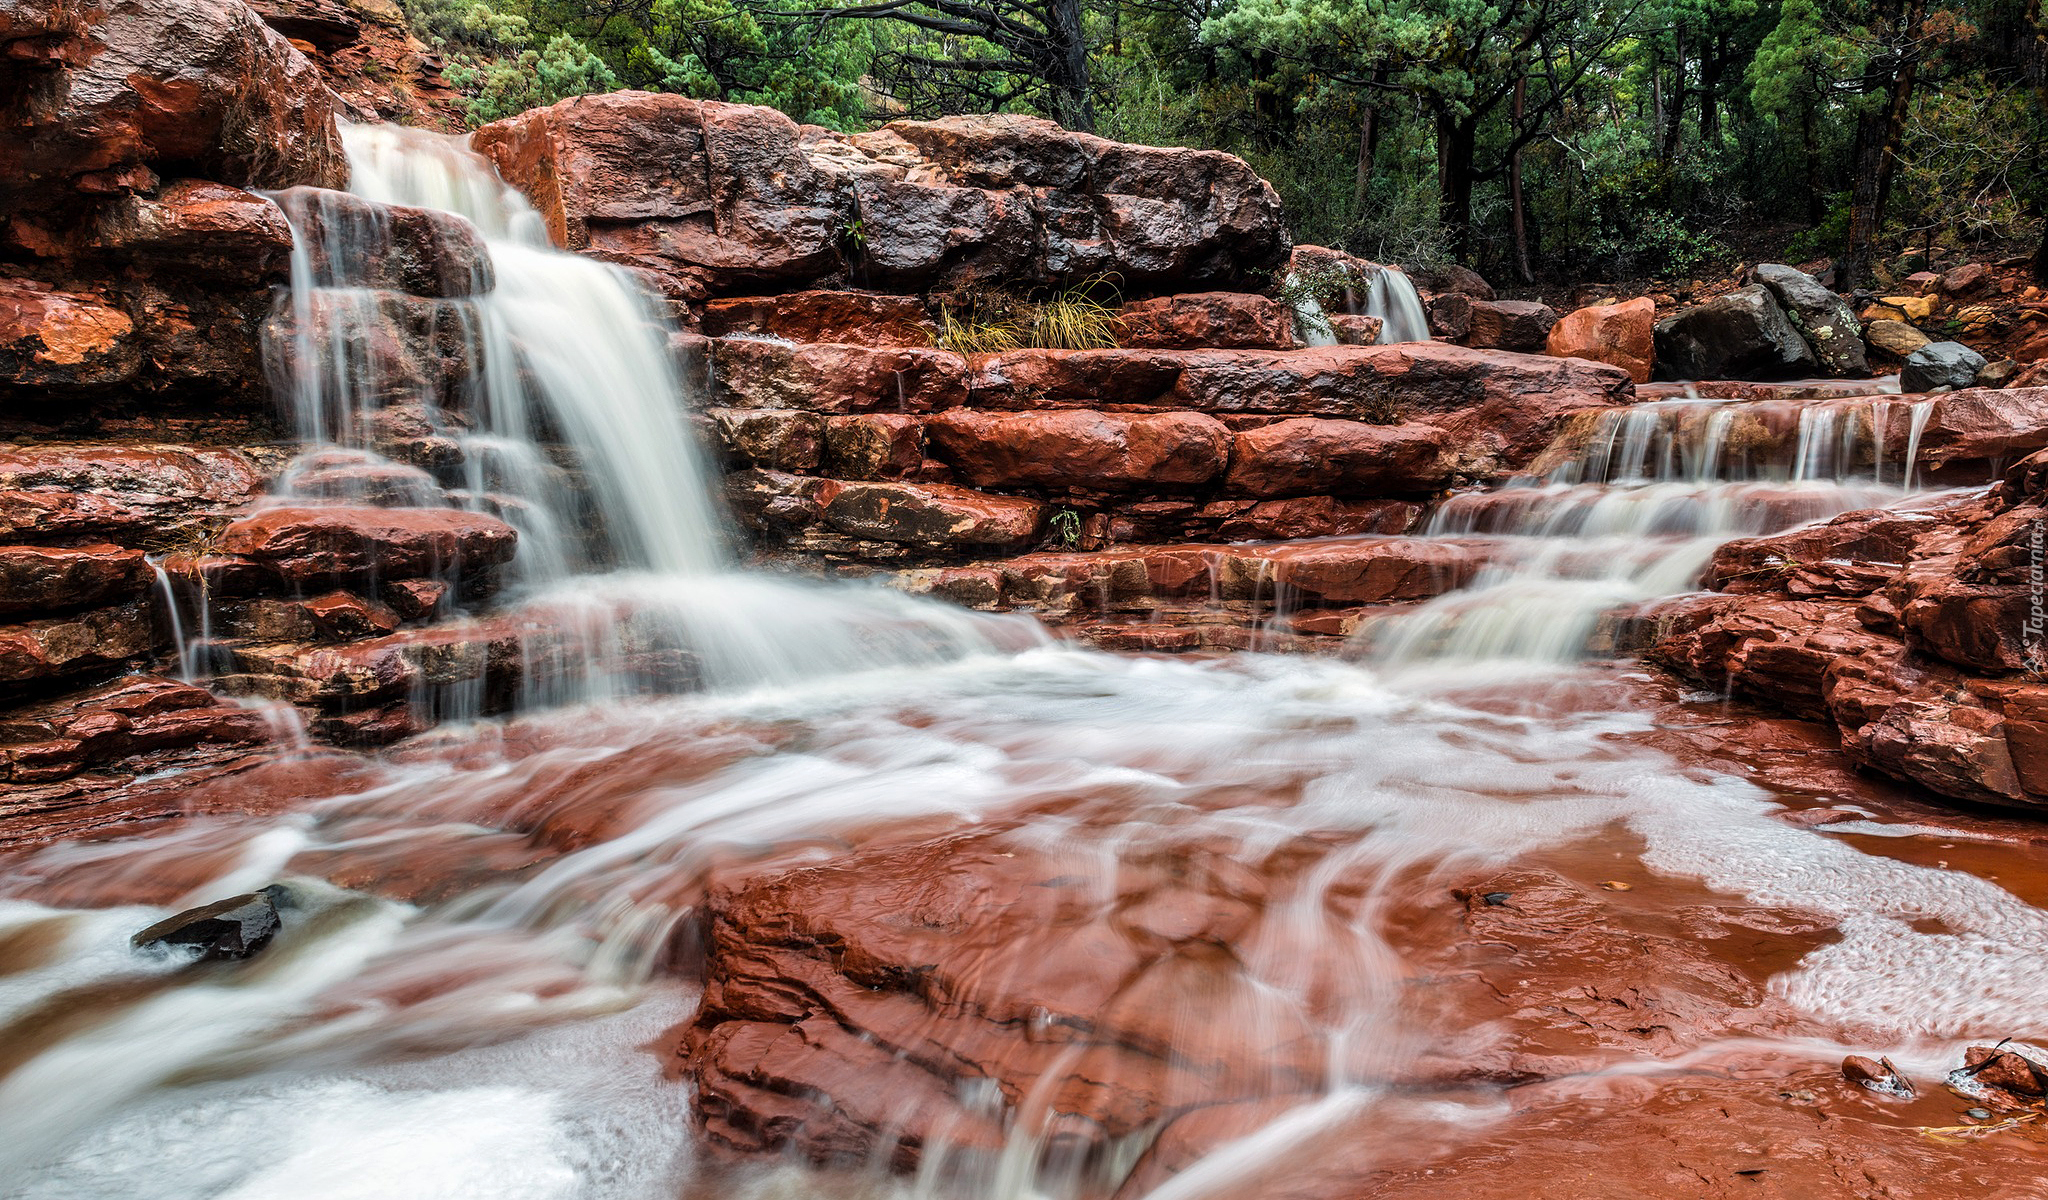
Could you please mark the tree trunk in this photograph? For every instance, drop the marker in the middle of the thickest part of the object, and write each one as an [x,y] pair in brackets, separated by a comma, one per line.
[1713,61]
[1816,211]
[1674,112]
[1368,148]
[2041,254]
[1878,134]
[1067,68]
[1518,214]
[1456,142]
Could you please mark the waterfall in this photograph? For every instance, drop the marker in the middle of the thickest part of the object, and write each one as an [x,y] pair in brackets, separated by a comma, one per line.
[1633,511]
[1393,299]
[554,384]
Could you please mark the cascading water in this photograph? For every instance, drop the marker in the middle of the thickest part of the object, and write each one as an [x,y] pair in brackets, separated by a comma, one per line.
[623,560]
[1390,296]
[1393,299]
[1635,512]
[490,935]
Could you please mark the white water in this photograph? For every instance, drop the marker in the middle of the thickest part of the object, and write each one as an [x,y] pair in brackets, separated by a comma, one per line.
[1393,299]
[1636,513]
[313,1069]
[569,415]
[493,1037]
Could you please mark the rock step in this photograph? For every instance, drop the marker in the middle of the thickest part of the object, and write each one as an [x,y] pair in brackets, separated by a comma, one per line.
[1339,573]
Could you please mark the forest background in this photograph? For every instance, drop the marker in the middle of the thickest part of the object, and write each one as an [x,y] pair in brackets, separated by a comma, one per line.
[1531,139]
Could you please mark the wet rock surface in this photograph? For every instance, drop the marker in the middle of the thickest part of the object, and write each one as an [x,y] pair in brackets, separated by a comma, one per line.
[237,927]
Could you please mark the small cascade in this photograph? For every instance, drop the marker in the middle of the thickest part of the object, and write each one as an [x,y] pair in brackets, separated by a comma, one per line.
[1632,508]
[435,351]
[1393,299]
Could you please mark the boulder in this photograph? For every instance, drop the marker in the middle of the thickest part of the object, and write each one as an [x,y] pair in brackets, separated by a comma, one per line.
[1940,366]
[1452,278]
[1619,334]
[1966,280]
[1308,456]
[1824,319]
[1521,325]
[1200,320]
[1081,450]
[831,378]
[848,318]
[202,87]
[1895,338]
[1355,329]
[234,928]
[394,247]
[1450,315]
[716,196]
[1742,335]
[221,233]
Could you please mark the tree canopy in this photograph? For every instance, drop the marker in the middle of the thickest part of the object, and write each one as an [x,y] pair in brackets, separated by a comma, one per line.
[1619,138]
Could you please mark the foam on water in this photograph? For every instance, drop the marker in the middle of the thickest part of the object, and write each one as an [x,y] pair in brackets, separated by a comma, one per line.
[1119,757]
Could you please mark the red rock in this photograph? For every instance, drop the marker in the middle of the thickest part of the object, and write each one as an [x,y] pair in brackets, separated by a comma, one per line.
[333,617]
[750,373]
[133,716]
[1992,1066]
[1354,329]
[37,652]
[419,251]
[46,35]
[197,85]
[941,956]
[1852,555]
[327,545]
[1313,456]
[51,338]
[1621,334]
[847,318]
[873,446]
[783,441]
[1081,450]
[1455,279]
[1207,320]
[1319,516]
[1975,425]
[141,495]
[1510,325]
[1964,280]
[416,599]
[1371,571]
[929,514]
[1450,315]
[41,580]
[194,226]
[628,177]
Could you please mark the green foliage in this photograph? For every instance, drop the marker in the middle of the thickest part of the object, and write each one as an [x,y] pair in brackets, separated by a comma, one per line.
[505,87]
[1650,137]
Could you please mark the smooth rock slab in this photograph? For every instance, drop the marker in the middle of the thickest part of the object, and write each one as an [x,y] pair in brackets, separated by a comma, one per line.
[334,545]
[1079,449]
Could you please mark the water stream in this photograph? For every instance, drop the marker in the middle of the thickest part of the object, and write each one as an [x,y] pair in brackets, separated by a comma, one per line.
[492,932]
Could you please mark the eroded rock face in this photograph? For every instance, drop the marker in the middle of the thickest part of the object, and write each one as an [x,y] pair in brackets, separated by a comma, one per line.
[1309,456]
[337,545]
[716,195]
[202,85]
[1214,320]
